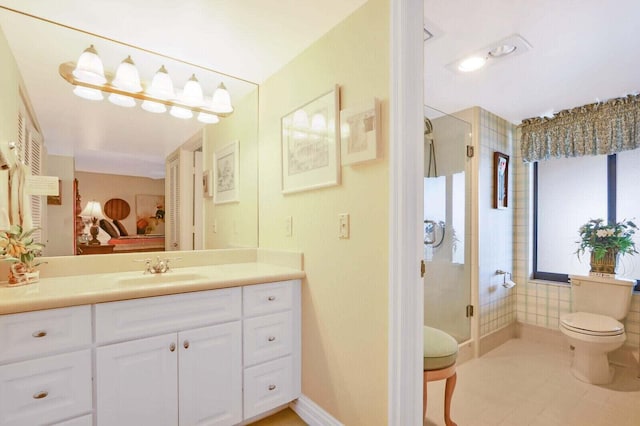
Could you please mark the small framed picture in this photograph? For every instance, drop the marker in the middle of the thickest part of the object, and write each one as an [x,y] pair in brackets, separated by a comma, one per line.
[310,144]
[500,180]
[226,174]
[359,130]
[207,184]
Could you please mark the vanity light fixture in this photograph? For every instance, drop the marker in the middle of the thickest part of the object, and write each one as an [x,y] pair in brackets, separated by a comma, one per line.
[511,46]
[90,82]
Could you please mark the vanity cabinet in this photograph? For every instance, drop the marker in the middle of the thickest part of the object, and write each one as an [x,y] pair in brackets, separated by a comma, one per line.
[192,375]
[45,367]
[215,357]
[211,357]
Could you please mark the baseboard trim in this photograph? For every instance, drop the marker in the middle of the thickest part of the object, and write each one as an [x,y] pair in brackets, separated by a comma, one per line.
[312,413]
[490,341]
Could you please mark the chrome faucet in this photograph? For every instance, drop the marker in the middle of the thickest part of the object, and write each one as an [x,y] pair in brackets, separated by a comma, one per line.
[161,266]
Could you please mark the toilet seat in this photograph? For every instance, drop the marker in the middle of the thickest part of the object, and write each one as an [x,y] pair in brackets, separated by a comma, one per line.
[592,324]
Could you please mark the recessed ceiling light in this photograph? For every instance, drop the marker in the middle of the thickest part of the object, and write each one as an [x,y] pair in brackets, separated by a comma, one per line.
[511,46]
[502,50]
[472,64]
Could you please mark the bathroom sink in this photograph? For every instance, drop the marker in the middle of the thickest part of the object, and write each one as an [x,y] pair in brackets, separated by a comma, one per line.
[164,278]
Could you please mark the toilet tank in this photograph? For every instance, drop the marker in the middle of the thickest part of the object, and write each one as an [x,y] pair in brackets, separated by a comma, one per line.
[599,295]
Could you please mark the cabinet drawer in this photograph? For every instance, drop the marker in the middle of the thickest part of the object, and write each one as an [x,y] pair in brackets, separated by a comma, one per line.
[154,315]
[267,337]
[267,386]
[267,298]
[37,333]
[78,421]
[45,389]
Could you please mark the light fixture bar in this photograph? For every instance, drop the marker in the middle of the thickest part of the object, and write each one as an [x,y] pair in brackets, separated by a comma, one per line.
[66,72]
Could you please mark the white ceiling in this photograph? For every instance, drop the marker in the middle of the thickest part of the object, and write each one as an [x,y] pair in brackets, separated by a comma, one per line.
[249,39]
[582,51]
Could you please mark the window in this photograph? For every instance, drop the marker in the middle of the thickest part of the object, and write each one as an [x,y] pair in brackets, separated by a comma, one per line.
[570,191]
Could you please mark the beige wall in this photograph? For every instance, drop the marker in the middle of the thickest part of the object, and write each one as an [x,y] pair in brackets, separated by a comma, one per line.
[60,219]
[236,223]
[102,187]
[345,295]
[9,99]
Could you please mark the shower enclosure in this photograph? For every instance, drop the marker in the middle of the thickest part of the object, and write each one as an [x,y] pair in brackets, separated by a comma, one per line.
[447,281]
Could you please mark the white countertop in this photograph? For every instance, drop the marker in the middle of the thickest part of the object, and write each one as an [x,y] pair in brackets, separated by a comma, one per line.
[57,292]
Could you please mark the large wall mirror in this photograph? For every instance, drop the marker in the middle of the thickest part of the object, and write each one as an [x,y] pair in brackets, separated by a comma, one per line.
[130,154]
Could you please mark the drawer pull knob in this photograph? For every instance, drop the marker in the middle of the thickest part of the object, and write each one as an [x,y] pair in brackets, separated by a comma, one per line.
[40,395]
[271,298]
[172,347]
[272,387]
[271,338]
[186,344]
[38,334]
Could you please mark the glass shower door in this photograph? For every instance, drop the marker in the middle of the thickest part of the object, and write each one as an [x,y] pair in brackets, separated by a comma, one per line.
[447,281]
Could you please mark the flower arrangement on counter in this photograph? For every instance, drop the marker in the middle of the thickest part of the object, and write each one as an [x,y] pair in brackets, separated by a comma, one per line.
[601,237]
[17,246]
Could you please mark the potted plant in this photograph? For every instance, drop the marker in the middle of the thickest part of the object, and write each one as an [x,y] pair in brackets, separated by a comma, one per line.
[606,241]
[17,246]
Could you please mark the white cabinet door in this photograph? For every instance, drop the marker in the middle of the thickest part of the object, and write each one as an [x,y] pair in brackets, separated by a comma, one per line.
[45,390]
[210,368]
[137,382]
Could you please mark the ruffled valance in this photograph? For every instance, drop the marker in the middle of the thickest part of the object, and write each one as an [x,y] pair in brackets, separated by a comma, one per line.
[595,129]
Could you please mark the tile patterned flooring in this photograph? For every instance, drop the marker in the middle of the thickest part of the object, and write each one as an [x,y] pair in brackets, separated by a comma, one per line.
[523,382]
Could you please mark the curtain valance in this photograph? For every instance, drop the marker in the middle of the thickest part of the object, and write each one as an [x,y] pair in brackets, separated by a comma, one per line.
[595,129]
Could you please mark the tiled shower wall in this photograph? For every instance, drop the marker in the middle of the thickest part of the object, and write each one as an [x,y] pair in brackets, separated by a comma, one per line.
[495,227]
[541,303]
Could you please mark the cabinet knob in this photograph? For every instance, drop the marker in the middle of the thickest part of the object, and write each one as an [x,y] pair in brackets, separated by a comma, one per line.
[271,338]
[271,298]
[40,395]
[186,344]
[172,347]
[38,334]
[272,387]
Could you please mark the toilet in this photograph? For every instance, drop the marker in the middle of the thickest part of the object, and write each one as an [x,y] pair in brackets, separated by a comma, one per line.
[594,329]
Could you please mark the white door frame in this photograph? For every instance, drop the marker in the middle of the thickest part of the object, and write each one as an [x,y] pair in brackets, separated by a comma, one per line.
[406,150]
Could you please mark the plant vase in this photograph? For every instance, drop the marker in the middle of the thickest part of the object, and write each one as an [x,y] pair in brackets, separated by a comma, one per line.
[606,264]
[18,277]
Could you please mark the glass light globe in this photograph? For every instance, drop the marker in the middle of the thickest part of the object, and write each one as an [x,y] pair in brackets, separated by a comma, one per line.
[127,77]
[88,93]
[89,67]
[221,102]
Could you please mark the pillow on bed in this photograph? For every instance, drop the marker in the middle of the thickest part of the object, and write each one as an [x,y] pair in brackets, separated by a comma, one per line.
[121,229]
[108,228]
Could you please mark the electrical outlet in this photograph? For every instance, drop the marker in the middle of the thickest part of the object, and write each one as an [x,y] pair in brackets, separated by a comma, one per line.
[215,226]
[343,226]
[288,226]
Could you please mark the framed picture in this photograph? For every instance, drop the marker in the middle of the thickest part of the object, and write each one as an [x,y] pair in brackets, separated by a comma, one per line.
[56,200]
[149,214]
[500,180]
[359,129]
[207,185]
[226,174]
[310,151]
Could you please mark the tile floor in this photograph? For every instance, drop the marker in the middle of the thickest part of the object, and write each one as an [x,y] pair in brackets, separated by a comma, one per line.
[523,382]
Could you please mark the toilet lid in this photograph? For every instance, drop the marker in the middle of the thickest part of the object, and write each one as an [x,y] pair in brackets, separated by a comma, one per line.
[592,324]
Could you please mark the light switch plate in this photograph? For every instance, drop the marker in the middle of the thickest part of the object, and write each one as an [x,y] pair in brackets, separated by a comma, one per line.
[343,226]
